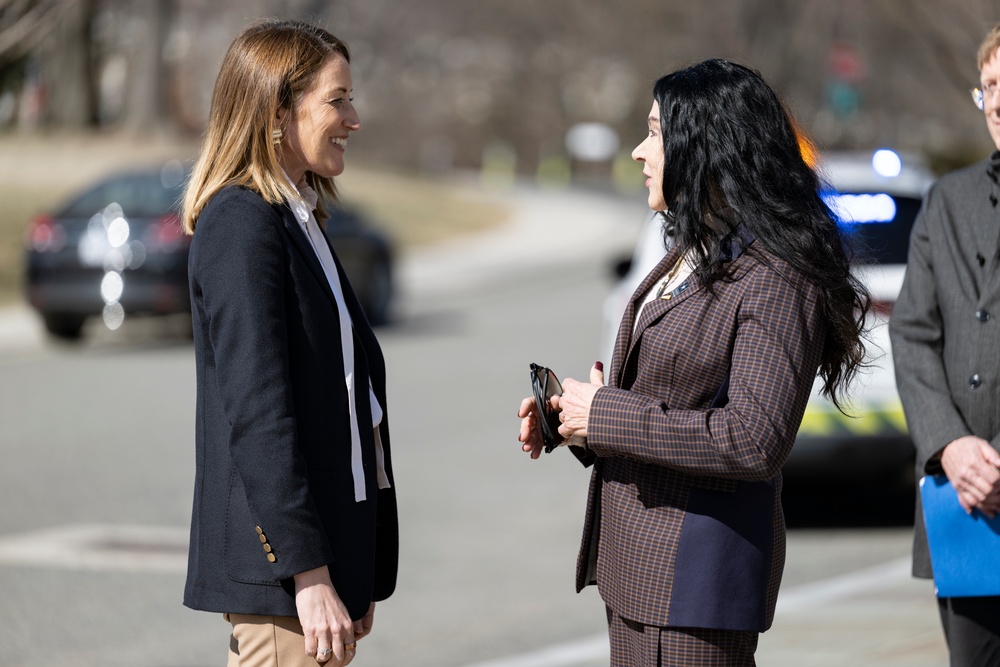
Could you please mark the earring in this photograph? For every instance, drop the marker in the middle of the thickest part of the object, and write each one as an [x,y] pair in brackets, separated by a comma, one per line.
[276,136]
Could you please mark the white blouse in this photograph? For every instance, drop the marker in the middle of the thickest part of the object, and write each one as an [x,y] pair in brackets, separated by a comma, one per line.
[667,285]
[303,209]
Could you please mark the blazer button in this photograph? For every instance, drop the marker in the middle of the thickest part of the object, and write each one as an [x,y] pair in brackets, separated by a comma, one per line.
[263,538]
[260,531]
[982,315]
[267,547]
[271,558]
[975,381]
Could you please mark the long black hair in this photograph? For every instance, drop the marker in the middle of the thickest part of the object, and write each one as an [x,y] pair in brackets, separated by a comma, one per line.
[732,158]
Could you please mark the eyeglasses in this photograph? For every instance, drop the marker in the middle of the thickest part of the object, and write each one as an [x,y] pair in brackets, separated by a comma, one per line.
[979,94]
[545,385]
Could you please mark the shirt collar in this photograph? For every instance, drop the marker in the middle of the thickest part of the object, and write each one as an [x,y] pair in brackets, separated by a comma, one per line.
[303,205]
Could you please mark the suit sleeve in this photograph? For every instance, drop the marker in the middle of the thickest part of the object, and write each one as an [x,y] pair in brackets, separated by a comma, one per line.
[775,356]
[916,332]
[240,272]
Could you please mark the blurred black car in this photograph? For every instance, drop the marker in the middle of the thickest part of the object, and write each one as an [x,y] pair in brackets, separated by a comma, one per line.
[367,257]
[118,249]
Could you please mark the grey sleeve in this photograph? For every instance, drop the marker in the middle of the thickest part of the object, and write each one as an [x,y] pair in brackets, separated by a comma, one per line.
[916,331]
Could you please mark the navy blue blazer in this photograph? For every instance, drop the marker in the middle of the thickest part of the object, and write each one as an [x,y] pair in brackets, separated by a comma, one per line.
[274,492]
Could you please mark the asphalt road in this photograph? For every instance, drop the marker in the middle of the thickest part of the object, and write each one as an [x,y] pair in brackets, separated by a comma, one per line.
[96,469]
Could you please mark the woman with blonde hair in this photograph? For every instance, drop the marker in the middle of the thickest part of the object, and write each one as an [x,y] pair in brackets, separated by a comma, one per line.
[294,532]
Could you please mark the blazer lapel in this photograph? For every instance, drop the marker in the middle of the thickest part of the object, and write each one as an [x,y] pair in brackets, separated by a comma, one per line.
[654,311]
[624,339]
[305,249]
[733,245]
[987,225]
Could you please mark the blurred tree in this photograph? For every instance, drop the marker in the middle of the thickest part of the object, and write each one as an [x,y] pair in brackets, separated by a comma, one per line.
[440,83]
[25,23]
[68,67]
[145,103]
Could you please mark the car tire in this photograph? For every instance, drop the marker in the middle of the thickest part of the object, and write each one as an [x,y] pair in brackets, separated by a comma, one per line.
[64,326]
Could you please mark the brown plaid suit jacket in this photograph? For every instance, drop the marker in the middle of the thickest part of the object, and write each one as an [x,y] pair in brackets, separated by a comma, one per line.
[684,525]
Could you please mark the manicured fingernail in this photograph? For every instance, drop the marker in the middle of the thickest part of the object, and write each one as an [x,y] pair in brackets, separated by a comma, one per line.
[598,365]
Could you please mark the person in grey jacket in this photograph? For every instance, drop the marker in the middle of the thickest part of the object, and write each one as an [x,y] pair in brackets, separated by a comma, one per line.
[945,332]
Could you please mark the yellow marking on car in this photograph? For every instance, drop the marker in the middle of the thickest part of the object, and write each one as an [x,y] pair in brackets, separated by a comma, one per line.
[865,423]
[819,421]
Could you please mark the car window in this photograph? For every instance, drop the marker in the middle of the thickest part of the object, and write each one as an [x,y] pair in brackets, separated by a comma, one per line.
[140,197]
[877,223]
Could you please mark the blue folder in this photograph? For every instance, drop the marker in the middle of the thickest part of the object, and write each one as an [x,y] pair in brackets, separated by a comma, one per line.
[965,549]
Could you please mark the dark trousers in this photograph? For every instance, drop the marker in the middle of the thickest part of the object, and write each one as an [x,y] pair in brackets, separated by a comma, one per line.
[972,630]
[637,645]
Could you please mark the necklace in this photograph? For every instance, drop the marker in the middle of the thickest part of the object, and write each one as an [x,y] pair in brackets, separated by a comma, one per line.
[671,275]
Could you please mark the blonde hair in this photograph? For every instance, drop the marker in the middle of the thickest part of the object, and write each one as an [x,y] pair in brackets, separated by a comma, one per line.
[269,65]
[989,46]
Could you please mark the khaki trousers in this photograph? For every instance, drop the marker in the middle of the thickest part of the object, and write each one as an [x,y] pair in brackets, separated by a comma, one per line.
[267,641]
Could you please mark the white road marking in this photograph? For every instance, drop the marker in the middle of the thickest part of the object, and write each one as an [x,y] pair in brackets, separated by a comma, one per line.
[843,586]
[99,547]
[19,327]
[588,649]
[595,648]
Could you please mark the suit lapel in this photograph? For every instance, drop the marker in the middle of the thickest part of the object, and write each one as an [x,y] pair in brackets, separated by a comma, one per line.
[362,330]
[623,341]
[363,338]
[305,248]
[654,311]
[988,236]
[365,342]
[308,253]
[987,225]
[630,333]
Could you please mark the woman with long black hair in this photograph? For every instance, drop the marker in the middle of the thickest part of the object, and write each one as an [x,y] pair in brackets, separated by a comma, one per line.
[712,369]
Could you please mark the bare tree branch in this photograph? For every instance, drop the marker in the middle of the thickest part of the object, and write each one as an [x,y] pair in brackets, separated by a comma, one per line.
[24,23]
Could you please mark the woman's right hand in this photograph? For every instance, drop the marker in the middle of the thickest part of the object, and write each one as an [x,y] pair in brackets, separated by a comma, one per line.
[324,618]
[531,432]
[973,468]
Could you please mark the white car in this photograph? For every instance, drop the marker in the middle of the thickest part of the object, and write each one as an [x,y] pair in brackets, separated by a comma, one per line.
[877,197]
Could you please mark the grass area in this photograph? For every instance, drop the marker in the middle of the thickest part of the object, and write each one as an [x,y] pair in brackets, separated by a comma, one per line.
[37,174]
[417,211]
[20,204]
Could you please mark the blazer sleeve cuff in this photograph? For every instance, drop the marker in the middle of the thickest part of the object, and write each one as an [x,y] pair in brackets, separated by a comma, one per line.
[613,419]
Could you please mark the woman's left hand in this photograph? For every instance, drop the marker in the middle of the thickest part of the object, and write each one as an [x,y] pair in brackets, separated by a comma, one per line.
[575,402]
[364,625]
[326,626]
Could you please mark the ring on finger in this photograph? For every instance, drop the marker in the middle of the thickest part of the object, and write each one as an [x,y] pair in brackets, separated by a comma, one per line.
[325,651]
[353,646]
